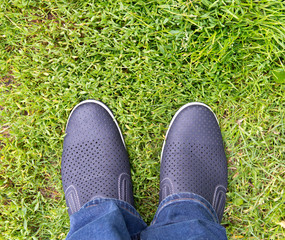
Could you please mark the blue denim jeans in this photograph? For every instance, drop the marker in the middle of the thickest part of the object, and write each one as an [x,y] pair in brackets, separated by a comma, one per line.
[179,216]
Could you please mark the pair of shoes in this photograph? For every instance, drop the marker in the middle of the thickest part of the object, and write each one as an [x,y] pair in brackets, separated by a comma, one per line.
[95,161]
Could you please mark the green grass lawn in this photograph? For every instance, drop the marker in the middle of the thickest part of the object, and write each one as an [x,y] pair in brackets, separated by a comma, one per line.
[144,59]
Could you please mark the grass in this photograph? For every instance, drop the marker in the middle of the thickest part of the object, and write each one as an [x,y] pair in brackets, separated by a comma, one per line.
[144,59]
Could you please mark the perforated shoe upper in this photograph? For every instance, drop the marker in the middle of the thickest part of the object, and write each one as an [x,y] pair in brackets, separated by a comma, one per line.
[94,161]
[193,157]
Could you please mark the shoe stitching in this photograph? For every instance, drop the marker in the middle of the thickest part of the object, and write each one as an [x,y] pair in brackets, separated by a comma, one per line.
[71,203]
[216,189]
[119,184]
[76,197]
[172,187]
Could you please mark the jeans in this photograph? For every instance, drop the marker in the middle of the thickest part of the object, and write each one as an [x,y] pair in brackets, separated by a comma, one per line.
[179,216]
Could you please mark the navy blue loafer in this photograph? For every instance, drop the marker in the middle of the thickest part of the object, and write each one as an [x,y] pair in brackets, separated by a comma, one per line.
[95,162]
[193,157]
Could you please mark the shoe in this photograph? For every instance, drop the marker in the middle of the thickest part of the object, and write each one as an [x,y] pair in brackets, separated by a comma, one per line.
[95,162]
[193,157]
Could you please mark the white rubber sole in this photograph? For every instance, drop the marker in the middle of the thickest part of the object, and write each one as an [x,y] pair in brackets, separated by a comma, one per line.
[102,105]
[176,114]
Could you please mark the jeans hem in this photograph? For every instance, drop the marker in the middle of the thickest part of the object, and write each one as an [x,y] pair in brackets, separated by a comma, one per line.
[120,203]
[185,197]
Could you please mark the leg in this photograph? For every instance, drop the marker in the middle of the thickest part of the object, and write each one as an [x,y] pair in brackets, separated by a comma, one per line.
[96,176]
[193,178]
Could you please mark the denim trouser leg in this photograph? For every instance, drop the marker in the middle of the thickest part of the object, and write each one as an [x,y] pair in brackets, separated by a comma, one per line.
[106,219]
[184,216]
[179,216]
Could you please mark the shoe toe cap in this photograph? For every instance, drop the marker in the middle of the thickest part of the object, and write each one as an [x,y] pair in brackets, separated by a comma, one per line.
[90,121]
[196,123]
